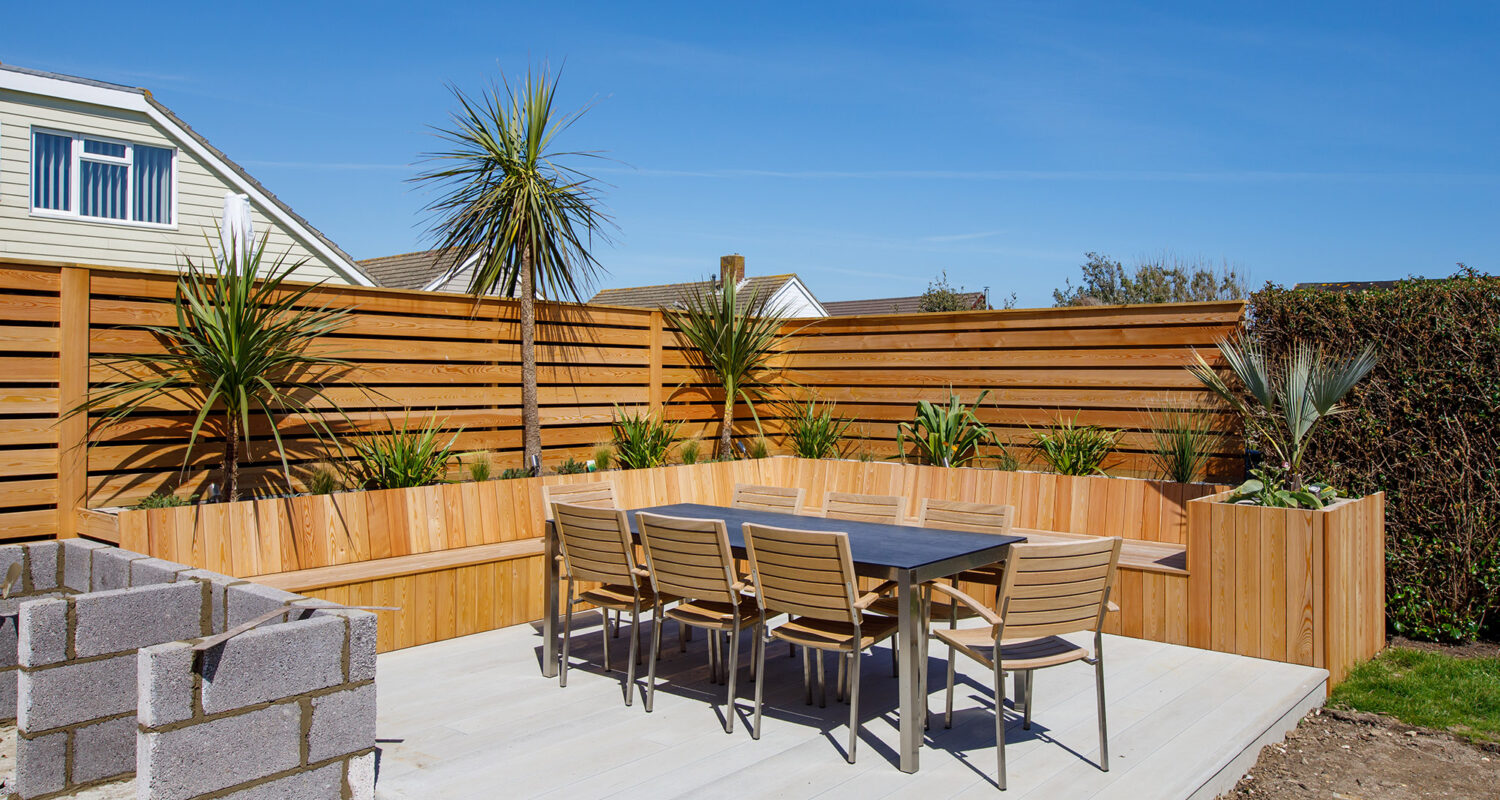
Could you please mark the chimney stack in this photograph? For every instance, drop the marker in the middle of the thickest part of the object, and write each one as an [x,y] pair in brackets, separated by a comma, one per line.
[731,269]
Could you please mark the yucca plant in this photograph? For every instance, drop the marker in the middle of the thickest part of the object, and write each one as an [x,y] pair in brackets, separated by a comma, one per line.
[642,439]
[1182,442]
[814,430]
[241,348]
[734,342]
[948,435]
[1289,394]
[1073,449]
[404,457]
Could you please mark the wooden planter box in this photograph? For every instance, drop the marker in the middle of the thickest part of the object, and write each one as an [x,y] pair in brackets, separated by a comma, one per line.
[1300,586]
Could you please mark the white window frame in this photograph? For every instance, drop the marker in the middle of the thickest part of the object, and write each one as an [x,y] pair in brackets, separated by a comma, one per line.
[77,157]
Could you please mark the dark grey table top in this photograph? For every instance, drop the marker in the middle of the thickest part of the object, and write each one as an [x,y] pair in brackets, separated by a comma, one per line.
[872,545]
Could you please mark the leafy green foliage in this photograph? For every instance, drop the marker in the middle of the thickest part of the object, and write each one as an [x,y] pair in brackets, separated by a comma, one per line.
[1182,442]
[1073,449]
[941,296]
[323,479]
[242,346]
[1429,689]
[511,473]
[1268,487]
[162,500]
[734,341]
[572,466]
[642,439]
[403,458]
[1423,427]
[1164,279]
[814,430]
[689,451]
[946,436]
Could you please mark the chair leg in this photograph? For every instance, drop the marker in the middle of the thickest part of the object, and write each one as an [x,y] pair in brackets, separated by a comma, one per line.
[853,703]
[617,624]
[635,653]
[948,713]
[791,650]
[734,671]
[1030,689]
[1103,728]
[605,632]
[839,695]
[656,623]
[755,646]
[760,685]
[713,656]
[562,679]
[999,722]
[822,682]
[684,632]
[895,658]
[807,676]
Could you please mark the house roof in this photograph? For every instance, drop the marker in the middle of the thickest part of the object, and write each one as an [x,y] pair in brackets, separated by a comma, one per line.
[409,270]
[668,294]
[109,94]
[893,305]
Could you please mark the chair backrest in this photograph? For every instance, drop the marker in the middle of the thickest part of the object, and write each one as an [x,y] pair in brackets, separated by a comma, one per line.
[955,516]
[689,558]
[596,543]
[595,494]
[802,573]
[864,507]
[769,498]
[1052,589]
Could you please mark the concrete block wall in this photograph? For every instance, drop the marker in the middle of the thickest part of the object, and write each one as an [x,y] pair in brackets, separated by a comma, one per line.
[284,710]
[96,657]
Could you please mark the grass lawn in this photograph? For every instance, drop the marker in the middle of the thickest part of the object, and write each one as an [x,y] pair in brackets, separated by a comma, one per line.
[1433,690]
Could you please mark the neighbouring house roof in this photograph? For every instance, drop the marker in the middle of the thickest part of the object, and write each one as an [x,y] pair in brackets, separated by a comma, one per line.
[140,100]
[668,295]
[893,305]
[410,270]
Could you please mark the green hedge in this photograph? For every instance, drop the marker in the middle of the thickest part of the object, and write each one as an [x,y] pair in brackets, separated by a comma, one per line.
[1425,429]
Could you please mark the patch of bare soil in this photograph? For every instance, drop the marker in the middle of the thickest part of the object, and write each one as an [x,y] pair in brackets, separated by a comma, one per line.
[1470,650]
[1349,755]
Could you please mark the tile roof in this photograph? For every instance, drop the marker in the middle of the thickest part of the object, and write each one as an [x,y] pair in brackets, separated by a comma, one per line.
[410,270]
[668,294]
[892,305]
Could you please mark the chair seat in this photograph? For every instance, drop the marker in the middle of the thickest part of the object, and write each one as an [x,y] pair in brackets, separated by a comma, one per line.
[619,597]
[1018,654]
[824,634]
[942,608]
[718,616]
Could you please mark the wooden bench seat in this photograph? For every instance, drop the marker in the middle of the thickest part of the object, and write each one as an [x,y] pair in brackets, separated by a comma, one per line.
[305,580]
[1134,554]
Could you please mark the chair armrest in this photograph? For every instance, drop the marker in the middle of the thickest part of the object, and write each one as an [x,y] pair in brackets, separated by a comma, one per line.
[984,611]
[874,594]
[1111,607]
[640,572]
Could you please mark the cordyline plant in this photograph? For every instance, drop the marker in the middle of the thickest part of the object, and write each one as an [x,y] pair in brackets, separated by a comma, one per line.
[404,457]
[948,435]
[642,439]
[240,348]
[734,345]
[1288,394]
[1073,449]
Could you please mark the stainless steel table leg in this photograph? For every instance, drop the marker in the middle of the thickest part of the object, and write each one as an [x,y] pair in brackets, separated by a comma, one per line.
[549,619]
[908,597]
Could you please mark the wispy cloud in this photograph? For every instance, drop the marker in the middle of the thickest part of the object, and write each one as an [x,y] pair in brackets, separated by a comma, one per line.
[1179,176]
[962,237]
[329,165]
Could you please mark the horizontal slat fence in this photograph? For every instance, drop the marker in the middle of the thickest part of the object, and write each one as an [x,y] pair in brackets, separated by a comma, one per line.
[444,356]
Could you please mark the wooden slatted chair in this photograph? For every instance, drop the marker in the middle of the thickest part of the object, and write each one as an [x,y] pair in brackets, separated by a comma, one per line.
[1048,590]
[692,560]
[885,509]
[596,546]
[769,498]
[595,494]
[810,576]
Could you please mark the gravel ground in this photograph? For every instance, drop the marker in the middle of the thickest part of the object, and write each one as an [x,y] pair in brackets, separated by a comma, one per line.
[1347,755]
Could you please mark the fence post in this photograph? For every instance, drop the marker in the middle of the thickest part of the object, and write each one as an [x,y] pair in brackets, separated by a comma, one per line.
[73,384]
[654,391]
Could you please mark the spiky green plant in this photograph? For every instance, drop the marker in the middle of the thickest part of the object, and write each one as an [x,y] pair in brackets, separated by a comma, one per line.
[241,347]
[642,438]
[323,479]
[511,473]
[814,430]
[508,201]
[759,448]
[734,343]
[1289,394]
[572,466]
[1182,442]
[1073,449]
[404,457]
[604,456]
[479,466]
[689,451]
[947,435]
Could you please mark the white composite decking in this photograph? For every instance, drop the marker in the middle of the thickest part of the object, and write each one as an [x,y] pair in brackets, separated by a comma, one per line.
[474,718]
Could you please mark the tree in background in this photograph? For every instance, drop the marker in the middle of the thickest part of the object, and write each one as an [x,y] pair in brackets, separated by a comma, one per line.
[1163,279]
[508,202]
[941,296]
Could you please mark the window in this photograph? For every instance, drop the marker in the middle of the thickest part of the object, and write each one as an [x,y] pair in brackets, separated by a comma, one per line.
[73,175]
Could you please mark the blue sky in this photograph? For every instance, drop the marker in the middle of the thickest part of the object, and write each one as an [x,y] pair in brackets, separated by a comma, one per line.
[868,145]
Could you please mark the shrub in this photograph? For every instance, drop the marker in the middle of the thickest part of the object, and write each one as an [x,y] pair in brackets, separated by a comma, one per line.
[1073,449]
[1423,428]
[1182,442]
[511,473]
[402,458]
[480,467]
[323,479]
[945,436]
[161,500]
[642,439]
[604,456]
[689,451]
[759,448]
[572,466]
[813,430]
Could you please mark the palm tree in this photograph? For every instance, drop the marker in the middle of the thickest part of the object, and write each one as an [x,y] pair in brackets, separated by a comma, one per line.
[509,205]
[733,345]
[241,347]
[1288,394]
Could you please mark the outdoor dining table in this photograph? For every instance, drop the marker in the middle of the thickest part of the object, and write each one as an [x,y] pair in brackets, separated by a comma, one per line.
[905,554]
